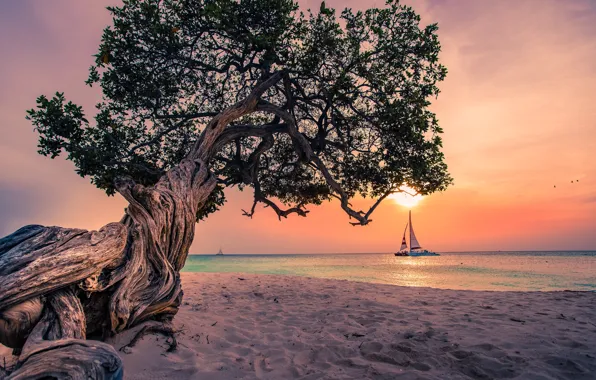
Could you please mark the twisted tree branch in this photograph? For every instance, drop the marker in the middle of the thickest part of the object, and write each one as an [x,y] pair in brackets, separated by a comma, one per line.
[304,150]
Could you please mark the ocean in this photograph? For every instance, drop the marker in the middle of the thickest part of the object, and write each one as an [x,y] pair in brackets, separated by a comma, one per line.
[499,271]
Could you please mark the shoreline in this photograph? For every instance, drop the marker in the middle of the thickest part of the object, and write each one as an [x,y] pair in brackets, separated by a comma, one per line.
[380,284]
[252,326]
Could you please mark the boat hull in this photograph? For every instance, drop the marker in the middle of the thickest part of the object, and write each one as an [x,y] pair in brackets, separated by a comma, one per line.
[416,254]
[426,253]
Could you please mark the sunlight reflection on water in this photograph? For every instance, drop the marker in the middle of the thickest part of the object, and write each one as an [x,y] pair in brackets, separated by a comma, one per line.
[476,271]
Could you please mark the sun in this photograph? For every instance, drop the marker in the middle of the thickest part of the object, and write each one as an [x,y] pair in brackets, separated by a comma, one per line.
[407,198]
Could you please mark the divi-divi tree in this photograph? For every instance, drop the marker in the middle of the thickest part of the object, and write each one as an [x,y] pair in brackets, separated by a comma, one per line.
[302,107]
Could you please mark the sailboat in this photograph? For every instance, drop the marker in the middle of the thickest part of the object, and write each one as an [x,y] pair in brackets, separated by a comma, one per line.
[415,249]
[219,253]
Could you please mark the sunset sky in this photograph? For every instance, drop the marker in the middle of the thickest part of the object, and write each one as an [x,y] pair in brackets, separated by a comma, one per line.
[518,108]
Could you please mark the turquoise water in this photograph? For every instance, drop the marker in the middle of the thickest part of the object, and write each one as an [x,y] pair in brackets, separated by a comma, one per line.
[454,270]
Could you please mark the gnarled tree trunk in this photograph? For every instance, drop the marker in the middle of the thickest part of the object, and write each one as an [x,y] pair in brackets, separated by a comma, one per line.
[59,286]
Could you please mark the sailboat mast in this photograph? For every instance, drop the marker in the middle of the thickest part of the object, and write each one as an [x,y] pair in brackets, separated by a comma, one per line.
[410,224]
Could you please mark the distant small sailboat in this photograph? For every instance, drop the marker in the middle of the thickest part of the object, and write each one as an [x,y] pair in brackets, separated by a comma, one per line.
[219,253]
[415,248]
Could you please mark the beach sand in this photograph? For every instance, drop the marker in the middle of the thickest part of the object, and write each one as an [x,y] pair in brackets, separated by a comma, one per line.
[239,326]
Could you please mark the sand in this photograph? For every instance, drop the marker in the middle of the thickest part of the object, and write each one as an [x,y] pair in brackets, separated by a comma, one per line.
[240,326]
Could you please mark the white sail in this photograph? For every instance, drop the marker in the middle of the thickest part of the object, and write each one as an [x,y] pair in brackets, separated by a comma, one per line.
[414,244]
[404,245]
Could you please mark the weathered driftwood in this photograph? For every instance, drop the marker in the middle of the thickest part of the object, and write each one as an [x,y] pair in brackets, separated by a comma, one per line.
[54,257]
[71,359]
[56,347]
[58,286]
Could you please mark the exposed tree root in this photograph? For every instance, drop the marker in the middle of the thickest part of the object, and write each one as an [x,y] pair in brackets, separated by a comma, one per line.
[153,327]
[70,359]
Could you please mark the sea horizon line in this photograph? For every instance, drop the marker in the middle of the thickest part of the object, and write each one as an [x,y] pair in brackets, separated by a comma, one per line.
[390,252]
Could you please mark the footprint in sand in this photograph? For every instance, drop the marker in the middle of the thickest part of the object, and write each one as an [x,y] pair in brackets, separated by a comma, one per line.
[261,366]
[370,347]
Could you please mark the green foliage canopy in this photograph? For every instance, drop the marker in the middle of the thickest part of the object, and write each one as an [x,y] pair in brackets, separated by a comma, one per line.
[357,84]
